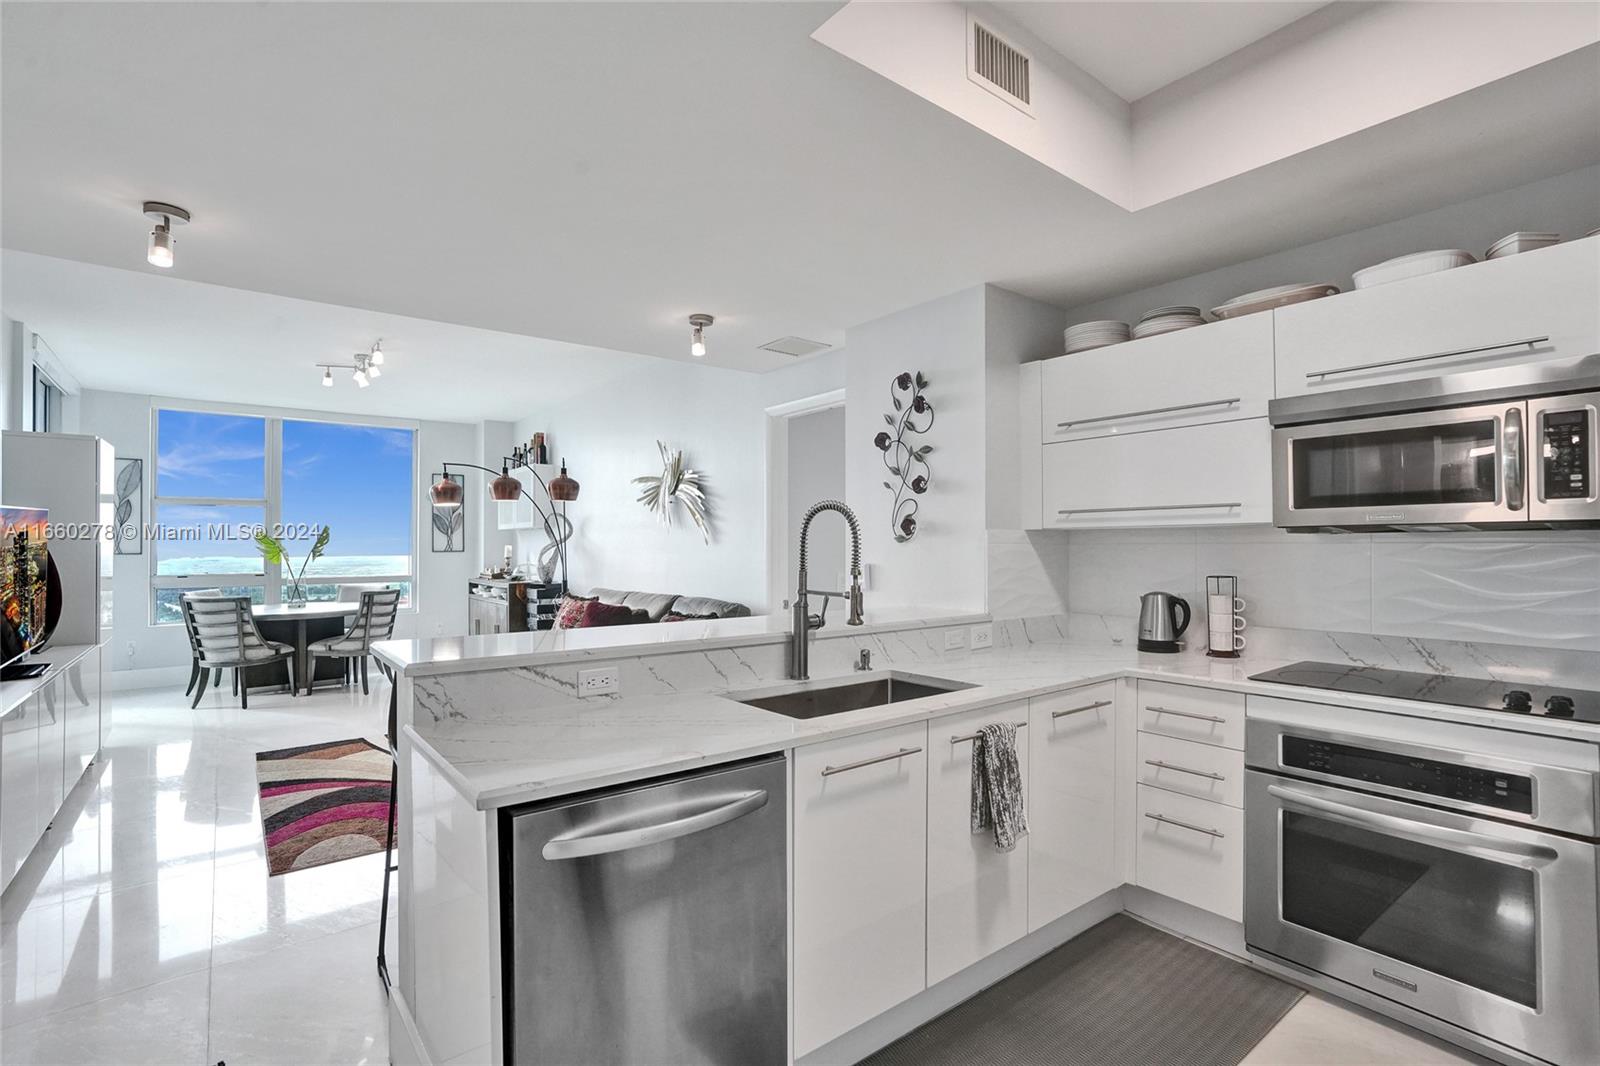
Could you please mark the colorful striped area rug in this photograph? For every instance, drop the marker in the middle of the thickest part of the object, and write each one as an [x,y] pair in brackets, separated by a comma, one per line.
[323,802]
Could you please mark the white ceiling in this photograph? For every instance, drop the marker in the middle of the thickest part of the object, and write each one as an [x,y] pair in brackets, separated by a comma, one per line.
[1135,48]
[139,332]
[595,172]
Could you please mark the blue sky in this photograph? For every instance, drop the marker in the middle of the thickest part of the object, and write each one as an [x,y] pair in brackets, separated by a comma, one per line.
[356,479]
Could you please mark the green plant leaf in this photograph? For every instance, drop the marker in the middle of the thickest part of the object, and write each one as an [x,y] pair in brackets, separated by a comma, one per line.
[270,548]
[321,543]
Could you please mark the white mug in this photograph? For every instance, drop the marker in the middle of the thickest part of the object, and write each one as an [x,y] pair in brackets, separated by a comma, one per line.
[1238,642]
[1217,603]
[1218,625]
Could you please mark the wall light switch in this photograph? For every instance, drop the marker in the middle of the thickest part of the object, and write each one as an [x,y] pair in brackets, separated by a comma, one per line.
[954,639]
[600,682]
[982,636]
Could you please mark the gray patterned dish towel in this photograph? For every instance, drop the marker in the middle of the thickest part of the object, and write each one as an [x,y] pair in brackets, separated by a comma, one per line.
[997,785]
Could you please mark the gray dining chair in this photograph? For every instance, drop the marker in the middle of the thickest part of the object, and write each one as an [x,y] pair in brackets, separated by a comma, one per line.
[227,637]
[374,621]
[194,641]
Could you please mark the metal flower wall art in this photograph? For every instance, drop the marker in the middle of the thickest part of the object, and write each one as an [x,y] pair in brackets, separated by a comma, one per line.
[906,460]
[676,484]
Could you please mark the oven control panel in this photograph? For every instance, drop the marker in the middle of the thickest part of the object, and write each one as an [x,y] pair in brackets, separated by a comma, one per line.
[1564,453]
[1424,777]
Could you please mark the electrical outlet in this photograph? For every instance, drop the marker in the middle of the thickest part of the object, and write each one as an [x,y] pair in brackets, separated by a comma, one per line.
[597,682]
[954,639]
[982,636]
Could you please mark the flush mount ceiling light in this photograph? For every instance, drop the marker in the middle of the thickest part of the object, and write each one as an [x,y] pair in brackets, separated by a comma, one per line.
[699,324]
[363,371]
[165,216]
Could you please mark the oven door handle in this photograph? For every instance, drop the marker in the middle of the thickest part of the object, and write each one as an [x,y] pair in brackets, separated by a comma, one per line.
[1421,832]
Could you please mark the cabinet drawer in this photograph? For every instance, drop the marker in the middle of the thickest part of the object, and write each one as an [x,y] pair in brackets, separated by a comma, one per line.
[1194,475]
[1192,850]
[1214,373]
[1206,715]
[1204,771]
[977,894]
[1471,318]
[1072,796]
[860,879]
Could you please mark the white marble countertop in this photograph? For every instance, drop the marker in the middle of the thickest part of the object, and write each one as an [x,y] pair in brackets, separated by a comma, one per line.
[603,742]
[442,655]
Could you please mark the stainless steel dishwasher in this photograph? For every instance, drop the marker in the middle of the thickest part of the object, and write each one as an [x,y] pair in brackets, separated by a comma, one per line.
[648,924]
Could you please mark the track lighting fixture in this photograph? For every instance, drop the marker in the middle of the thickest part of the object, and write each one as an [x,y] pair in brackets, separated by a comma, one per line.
[165,216]
[363,370]
[697,344]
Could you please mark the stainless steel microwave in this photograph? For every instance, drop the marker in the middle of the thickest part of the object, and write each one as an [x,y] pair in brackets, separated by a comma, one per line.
[1416,456]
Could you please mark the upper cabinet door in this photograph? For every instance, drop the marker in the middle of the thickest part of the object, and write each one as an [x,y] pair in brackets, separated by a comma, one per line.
[977,894]
[1535,306]
[1191,476]
[1214,373]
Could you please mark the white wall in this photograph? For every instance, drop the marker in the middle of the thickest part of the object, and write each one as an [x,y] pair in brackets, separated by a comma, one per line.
[441,580]
[944,564]
[607,431]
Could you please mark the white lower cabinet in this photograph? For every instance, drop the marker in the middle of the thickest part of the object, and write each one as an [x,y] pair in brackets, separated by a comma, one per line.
[977,894]
[1192,850]
[1072,791]
[860,879]
[1204,771]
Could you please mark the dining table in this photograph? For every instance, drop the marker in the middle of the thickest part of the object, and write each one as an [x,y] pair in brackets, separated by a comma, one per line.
[299,625]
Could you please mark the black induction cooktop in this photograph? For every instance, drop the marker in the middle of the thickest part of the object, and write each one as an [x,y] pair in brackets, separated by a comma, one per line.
[1510,697]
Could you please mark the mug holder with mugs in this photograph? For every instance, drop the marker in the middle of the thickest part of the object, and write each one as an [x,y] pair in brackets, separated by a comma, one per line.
[1224,618]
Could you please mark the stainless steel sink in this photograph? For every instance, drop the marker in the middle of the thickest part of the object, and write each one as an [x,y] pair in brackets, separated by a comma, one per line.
[817,699]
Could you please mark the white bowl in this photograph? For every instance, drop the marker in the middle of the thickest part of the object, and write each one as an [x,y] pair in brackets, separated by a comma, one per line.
[1521,241]
[1411,266]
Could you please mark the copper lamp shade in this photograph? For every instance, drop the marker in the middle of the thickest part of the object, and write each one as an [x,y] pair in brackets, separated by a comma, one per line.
[505,487]
[563,488]
[446,492]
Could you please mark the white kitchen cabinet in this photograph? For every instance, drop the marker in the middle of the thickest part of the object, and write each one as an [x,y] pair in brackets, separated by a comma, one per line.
[1191,712]
[1191,850]
[1072,788]
[80,701]
[977,894]
[860,879]
[1212,373]
[1470,318]
[1218,474]
[1204,771]
[21,819]
[51,701]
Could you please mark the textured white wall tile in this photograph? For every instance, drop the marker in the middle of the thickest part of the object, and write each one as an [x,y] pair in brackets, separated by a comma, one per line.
[1522,591]
[1027,573]
[1296,581]
[1109,577]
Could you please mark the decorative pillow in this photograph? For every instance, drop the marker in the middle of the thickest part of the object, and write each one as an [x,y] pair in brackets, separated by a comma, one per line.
[673,616]
[597,614]
[570,614]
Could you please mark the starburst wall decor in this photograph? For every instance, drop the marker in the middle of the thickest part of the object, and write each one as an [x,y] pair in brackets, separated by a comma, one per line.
[906,460]
[676,484]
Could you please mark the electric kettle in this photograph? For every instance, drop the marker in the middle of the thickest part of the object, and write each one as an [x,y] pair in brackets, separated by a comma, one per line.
[1159,623]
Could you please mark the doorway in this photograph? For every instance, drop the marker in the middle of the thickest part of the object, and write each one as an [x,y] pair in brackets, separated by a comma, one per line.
[806,463]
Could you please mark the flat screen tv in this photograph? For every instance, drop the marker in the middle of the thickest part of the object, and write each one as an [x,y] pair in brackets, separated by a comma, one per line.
[25,584]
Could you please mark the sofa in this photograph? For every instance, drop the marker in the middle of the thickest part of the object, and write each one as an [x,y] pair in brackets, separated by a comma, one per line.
[657,605]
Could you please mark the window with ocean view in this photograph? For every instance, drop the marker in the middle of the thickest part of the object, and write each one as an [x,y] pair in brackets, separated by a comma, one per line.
[220,478]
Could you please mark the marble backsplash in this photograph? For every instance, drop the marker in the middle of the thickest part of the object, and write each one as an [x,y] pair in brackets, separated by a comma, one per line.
[1539,590]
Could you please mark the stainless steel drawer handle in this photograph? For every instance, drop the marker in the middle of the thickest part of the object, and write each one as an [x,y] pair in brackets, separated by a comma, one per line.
[1229,402]
[829,771]
[1150,507]
[1187,714]
[962,738]
[1095,706]
[1219,834]
[1528,343]
[580,845]
[1159,765]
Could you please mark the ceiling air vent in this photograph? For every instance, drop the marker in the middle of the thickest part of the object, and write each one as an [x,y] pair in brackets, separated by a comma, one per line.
[998,66]
[795,346]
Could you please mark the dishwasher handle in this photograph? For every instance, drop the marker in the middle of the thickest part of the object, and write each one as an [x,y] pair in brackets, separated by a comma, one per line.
[581,845]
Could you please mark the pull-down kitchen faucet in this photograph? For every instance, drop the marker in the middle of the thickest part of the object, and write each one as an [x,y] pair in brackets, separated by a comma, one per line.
[804,620]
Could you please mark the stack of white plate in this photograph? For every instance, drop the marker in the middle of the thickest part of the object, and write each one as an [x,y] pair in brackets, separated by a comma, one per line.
[1411,266]
[1086,335]
[1167,319]
[1521,241]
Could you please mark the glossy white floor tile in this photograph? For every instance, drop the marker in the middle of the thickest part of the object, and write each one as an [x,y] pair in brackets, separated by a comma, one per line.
[148,930]
[1324,1032]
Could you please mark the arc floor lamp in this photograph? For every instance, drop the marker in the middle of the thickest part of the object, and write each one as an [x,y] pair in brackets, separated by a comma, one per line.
[559,491]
